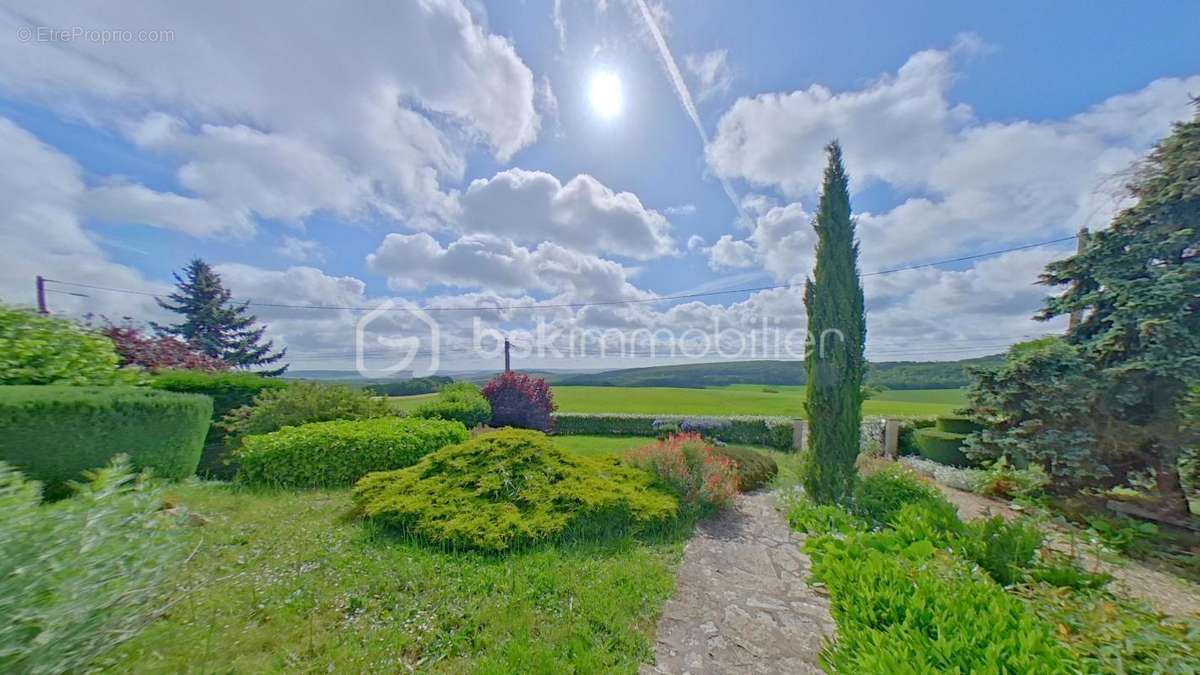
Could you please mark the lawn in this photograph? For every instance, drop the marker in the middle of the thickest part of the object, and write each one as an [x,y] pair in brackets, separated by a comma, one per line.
[733,400]
[284,582]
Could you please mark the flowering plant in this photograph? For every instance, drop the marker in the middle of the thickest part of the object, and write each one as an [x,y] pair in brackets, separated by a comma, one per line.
[688,466]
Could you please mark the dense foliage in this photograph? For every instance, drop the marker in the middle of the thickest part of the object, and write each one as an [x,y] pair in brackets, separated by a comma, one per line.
[521,401]
[461,401]
[754,469]
[771,432]
[410,387]
[228,391]
[944,441]
[80,576]
[1104,402]
[158,352]
[55,433]
[39,349]
[509,489]
[837,330]
[686,465]
[337,453]
[215,324]
[296,404]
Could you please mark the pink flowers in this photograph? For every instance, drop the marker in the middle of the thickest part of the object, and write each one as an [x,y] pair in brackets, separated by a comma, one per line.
[687,465]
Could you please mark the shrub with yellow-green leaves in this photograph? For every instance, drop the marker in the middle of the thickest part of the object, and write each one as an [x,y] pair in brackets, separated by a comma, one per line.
[513,488]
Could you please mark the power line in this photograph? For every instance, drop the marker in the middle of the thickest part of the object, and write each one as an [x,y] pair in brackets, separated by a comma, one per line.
[595,303]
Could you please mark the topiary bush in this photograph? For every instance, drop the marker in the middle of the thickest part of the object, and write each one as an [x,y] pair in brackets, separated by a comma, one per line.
[337,453]
[461,401]
[686,465]
[82,575]
[299,403]
[943,447]
[40,349]
[754,469]
[55,433]
[509,489]
[227,391]
[521,401]
[906,445]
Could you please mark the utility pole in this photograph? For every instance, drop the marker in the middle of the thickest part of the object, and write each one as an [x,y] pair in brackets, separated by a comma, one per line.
[507,360]
[1076,317]
[41,295]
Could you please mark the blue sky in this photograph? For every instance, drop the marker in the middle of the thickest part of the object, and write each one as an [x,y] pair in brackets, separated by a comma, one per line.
[444,154]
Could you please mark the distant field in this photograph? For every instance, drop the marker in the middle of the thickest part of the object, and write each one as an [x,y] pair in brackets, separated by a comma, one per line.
[738,399]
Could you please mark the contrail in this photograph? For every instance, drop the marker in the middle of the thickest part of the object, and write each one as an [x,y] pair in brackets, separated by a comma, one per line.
[685,97]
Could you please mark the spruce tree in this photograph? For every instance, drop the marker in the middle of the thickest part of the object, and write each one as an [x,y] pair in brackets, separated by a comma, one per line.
[216,325]
[837,331]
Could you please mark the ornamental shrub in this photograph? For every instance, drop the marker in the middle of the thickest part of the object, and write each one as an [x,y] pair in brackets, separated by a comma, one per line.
[943,447]
[880,496]
[461,401]
[158,352]
[40,349]
[754,469]
[703,480]
[509,489]
[521,401]
[55,433]
[227,390]
[299,403]
[337,453]
[79,576]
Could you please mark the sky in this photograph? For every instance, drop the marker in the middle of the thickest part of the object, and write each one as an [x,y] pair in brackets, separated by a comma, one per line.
[557,171]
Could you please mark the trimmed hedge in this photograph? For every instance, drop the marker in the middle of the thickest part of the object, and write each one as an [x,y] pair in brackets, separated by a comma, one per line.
[754,469]
[55,433]
[943,447]
[461,401]
[772,432]
[338,453]
[228,391]
[906,444]
[956,424]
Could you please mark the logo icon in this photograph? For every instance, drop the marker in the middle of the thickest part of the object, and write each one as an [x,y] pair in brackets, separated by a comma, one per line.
[398,327]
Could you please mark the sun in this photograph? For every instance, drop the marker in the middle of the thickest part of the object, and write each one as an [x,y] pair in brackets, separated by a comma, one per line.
[605,94]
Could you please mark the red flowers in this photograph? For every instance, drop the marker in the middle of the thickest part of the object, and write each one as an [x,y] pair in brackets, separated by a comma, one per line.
[687,465]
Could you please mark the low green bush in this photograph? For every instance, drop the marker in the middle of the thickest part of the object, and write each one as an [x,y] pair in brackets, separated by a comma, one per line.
[957,424]
[299,403]
[40,349]
[943,447]
[810,518]
[81,575]
[754,469]
[337,453]
[772,432]
[880,496]
[509,489]
[906,445]
[228,390]
[1004,549]
[1002,479]
[461,401]
[55,433]
[1060,570]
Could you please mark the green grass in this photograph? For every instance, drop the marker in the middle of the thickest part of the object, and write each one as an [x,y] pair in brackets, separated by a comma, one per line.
[597,446]
[283,582]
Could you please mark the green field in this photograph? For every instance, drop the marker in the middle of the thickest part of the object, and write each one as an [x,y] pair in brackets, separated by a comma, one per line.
[737,399]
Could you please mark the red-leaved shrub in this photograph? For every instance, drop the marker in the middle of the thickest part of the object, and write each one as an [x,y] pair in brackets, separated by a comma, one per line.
[158,352]
[688,466]
[519,400]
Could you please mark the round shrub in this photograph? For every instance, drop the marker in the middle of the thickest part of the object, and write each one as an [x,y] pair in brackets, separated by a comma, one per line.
[55,433]
[40,349]
[519,400]
[754,469]
[944,447]
[512,488]
[689,467]
[299,403]
[880,496]
[337,453]
[461,401]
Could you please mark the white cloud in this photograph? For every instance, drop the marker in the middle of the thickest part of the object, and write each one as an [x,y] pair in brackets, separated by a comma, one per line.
[301,250]
[711,72]
[680,210]
[584,214]
[695,242]
[139,205]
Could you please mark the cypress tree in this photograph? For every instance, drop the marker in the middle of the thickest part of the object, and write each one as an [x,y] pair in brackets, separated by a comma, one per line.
[216,325]
[837,332]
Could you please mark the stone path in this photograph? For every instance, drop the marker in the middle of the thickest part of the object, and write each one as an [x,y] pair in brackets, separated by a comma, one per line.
[741,604]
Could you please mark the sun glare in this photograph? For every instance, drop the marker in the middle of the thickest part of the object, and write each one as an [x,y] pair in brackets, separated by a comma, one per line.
[605,94]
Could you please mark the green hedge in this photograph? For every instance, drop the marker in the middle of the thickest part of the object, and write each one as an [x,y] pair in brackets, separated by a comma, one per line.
[957,424]
[338,453]
[462,402]
[906,444]
[772,432]
[941,446]
[55,433]
[228,391]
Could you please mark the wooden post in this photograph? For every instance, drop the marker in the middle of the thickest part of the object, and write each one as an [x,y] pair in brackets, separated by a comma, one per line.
[41,295]
[507,360]
[799,427]
[1076,317]
[891,438]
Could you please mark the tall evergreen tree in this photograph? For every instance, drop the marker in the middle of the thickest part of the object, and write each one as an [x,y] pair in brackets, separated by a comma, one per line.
[215,324]
[837,331]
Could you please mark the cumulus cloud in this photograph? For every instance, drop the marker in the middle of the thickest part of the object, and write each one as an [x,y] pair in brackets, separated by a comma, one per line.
[301,250]
[711,73]
[139,205]
[583,213]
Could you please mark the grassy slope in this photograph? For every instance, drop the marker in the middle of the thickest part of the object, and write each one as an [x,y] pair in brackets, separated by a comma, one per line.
[738,399]
[281,582]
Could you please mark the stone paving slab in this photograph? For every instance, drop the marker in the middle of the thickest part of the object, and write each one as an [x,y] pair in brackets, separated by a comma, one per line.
[741,603]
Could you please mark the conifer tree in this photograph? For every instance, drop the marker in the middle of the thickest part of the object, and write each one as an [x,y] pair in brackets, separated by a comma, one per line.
[216,325]
[837,330]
